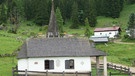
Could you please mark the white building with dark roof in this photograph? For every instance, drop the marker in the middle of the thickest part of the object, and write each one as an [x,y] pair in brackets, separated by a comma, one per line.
[57,55]
[110,32]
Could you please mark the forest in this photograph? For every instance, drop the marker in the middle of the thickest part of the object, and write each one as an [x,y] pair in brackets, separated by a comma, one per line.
[38,11]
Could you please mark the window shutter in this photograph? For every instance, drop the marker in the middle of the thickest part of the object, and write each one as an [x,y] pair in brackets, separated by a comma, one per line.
[51,65]
[67,64]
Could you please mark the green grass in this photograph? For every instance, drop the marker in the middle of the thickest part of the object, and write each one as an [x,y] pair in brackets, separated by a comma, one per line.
[119,53]
[6,65]
[8,45]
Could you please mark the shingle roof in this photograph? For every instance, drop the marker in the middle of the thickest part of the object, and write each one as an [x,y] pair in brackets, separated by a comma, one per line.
[58,47]
[114,28]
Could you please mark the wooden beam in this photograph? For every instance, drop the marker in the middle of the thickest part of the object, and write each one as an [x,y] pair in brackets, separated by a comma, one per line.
[97,66]
[105,66]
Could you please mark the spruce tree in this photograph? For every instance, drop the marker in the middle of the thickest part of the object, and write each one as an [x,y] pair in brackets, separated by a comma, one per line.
[113,8]
[41,13]
[3,15]
[59,21]
[87,28]
[74,16]
[131,25]
[131,22]
[92,14]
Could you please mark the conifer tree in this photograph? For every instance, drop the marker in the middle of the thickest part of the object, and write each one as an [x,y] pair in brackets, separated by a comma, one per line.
[92,14]
[3,15]
[74,16]
[131,22]
[59,21]
[41,13]
[87,28]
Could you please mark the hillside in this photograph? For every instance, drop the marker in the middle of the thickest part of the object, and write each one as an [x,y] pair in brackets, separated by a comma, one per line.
[121,21]
[118,53]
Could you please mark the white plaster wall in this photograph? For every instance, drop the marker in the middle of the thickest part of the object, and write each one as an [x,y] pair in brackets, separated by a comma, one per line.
[106,33]
[82,64]
[22,64]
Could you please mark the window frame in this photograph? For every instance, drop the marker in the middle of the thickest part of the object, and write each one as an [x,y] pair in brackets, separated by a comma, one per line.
[48,64]
[69,64]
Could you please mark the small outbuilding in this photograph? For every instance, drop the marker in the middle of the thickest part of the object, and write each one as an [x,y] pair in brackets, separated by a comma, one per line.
[111,32]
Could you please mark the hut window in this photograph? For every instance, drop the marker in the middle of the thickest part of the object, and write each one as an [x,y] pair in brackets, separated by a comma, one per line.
[100,33]
[69,64]
[49,64]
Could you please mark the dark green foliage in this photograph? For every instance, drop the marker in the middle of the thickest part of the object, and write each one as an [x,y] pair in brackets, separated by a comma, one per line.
[113,8]
[28,9]
[41,15]
[90,12]
[87,28]
[39,10]
[99,8]
[74,16]
[3,15]
[14,17]
[1,1]
[131,1]
[131,25]
[59,21]
[131,22]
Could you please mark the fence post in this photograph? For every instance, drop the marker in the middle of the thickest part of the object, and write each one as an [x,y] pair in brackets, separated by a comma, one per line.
[26,74]
[115,67]
[63,74]
[76,73]
[90,74]
[130,74]
[120,69]
[47,73]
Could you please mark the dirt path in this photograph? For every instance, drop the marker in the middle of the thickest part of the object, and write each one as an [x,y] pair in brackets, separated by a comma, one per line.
[132,69]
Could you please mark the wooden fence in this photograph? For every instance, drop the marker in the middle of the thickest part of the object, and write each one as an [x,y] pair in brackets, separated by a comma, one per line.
[16,72]
[116,74]
[123,70]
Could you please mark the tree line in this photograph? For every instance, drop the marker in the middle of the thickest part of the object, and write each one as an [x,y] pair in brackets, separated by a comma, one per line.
[77,11]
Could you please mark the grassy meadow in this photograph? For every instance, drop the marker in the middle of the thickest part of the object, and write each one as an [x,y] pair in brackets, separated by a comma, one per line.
[118,53]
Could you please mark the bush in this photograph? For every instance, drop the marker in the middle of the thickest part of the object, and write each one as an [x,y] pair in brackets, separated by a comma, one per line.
[126,36]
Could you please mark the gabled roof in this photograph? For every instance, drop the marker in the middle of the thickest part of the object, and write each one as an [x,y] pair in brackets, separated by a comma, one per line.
[114,28]
[58,47]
